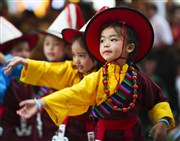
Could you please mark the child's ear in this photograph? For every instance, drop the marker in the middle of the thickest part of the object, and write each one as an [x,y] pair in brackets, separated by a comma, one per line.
[130,47]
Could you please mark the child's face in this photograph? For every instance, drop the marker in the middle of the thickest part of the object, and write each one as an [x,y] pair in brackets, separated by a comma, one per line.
[110,44]
[21,49]
[81,58]
[54,48]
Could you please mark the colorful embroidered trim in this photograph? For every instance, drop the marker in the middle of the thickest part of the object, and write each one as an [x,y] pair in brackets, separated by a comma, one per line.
[126,88]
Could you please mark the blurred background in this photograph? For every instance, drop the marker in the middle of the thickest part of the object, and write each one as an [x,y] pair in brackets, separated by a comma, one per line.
[28,15]
[163,62]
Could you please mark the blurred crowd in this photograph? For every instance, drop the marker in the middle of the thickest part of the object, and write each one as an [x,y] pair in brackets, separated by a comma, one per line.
[163,62]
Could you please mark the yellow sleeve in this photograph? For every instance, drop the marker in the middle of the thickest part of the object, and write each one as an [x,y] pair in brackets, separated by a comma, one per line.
[161,110]
[54,75]
[77,99]
[72,101]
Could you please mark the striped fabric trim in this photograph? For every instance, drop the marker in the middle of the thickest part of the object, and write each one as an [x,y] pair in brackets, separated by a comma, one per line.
[19,90]
[118,98]
[43,91]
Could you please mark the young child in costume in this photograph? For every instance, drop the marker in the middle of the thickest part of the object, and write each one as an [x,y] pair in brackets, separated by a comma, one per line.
[14,43]
[118,90]
[81,127]
[54,49]
[67,74]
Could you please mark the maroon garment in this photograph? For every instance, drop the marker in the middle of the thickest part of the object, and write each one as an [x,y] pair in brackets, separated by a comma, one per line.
[12,124]
[149,94]
[78,126]
[48,127]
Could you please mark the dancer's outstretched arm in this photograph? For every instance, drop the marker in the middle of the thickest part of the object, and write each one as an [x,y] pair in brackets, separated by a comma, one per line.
[14,62]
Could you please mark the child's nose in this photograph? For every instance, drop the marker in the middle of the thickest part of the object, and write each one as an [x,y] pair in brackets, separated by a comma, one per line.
[76,60]
[51,47]
[107,45]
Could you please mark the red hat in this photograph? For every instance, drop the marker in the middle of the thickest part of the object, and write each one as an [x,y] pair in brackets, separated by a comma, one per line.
[69,33]
[131,17]
[10,35]
[70,17]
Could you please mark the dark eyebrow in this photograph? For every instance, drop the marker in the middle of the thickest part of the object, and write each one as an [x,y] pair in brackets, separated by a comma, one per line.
[110,36]
[81,52]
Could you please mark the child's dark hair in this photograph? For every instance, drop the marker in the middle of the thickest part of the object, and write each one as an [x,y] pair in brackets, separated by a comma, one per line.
[131,36]
[80,39]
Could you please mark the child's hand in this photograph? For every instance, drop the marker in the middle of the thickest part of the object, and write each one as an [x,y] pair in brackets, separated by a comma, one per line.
[28,108]
[14,62]
[160,130]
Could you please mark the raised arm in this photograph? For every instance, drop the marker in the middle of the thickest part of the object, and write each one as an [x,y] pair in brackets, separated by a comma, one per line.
[57,75]
[14,62]
[67,102]
[30,107]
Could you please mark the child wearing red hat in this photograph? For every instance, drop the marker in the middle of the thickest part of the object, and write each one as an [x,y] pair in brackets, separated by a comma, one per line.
[12,91]
[118,90]
[66,74]
[55,50]
[80,127]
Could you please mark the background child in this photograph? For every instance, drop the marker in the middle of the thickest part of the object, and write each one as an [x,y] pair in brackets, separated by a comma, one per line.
[14,43]
[70,17]
[118,90]
[55,49]
[81,127]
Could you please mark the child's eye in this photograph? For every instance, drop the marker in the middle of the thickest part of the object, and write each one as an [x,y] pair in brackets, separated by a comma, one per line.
[101,40]
[113,39]
[46,43]
[81,55]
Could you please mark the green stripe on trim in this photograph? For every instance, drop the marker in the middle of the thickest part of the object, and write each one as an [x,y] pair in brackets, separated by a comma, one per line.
[128,82]
[99,112]
[121,95]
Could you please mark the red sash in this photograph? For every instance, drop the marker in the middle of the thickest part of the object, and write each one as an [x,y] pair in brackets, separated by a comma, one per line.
[126,125]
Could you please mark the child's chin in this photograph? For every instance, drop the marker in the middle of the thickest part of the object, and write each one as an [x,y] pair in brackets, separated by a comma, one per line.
[81,71]
[109,60]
